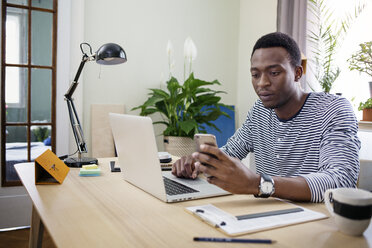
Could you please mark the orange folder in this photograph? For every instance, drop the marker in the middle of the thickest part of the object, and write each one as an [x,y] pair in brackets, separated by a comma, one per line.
[49,169]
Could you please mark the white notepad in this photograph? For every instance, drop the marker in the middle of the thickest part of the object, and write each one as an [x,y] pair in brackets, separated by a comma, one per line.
[230,225]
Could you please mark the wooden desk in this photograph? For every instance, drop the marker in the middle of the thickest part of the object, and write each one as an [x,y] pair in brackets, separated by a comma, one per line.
[106,211]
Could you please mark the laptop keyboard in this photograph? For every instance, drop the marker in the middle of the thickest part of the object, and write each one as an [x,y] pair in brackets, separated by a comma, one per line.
[175,188]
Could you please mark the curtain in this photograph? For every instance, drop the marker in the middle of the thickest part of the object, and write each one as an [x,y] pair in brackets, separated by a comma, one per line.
[292,19]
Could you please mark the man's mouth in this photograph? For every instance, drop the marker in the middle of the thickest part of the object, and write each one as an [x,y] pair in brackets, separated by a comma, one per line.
[265,96]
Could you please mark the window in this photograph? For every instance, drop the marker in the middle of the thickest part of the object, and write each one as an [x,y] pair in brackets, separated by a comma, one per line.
[351,84]
[28,82]
[15,24]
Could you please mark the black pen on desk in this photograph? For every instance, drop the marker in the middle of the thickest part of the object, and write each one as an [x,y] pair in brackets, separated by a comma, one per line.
[230,240]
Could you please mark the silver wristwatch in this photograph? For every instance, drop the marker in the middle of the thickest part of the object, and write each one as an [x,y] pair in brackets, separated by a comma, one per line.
[267,186]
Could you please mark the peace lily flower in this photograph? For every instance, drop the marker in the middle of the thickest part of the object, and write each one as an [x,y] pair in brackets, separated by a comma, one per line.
[169,49]
[189,49]
[170,57]
[185,107]
[189,52]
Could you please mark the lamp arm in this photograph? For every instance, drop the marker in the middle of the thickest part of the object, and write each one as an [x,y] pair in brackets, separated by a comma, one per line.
[75,83]
[76,127]
[74,119]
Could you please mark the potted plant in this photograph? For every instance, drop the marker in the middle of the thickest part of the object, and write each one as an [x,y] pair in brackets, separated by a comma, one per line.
[40,132]
[186,107]
[325,38]
[362,61]
[366,107]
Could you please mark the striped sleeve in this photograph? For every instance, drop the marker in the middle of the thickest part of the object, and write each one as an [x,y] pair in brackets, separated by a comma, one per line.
[339,151]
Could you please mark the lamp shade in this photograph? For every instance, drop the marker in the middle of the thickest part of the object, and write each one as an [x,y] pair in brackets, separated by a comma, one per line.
[110,54]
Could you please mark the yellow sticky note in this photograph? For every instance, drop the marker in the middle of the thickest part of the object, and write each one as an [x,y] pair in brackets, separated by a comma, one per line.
[90,166]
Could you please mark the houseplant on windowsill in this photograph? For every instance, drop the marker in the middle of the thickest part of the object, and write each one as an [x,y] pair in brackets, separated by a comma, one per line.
[362,62]
[367,109]
[40,133]
[184,107]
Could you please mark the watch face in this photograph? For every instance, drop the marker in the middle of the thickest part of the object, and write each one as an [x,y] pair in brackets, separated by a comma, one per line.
[267,187]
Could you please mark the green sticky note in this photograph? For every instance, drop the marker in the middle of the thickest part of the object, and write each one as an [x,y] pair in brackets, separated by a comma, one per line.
[90,171]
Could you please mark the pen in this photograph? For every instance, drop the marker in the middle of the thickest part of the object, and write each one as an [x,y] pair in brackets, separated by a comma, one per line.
[229,240]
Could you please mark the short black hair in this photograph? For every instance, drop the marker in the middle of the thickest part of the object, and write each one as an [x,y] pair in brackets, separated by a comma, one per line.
[278,39]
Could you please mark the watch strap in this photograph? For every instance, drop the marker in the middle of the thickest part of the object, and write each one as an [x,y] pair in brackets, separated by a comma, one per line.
[266,178]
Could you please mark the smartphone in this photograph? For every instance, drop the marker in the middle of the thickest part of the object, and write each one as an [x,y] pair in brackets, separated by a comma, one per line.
[204,138]
[209,139]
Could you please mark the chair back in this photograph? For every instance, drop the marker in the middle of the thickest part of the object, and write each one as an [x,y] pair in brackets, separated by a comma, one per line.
[102,139]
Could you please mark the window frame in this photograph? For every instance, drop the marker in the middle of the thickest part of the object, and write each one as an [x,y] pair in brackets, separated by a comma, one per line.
[29,66]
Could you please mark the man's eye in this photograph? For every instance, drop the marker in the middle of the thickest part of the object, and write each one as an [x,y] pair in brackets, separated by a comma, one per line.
[254,75]
[275,73]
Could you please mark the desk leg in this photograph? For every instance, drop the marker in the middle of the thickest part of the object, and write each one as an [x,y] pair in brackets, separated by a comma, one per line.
[37,230]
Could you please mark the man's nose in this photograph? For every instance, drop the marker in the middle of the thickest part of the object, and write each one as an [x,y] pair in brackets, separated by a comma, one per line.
[263,81]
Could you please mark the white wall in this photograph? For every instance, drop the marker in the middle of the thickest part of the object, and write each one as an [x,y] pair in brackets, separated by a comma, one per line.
[63,75]
[77,24]
[224,32]
[143,28]
[257,18]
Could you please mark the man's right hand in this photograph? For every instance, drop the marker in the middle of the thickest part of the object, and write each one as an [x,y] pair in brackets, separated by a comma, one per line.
[185,167]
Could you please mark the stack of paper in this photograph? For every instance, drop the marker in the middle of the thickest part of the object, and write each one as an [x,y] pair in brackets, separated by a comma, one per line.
[91,170]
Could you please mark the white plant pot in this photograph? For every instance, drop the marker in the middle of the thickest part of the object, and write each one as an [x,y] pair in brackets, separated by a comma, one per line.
[179,146]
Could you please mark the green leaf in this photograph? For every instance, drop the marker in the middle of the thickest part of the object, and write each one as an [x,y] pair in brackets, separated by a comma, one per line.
[325,40]
[181,106]
[148,111]
[187,126]
[160,93]
[366,105]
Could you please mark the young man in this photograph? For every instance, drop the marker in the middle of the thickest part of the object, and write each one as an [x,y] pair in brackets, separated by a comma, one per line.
[304,143]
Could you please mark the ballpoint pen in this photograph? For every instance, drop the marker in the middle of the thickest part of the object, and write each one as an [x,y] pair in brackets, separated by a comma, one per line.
[230,240]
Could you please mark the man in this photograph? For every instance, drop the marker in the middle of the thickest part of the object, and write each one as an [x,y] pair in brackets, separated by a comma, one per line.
[304,143]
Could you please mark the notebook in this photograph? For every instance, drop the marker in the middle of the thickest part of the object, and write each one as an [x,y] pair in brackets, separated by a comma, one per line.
[240,217]
[138,159]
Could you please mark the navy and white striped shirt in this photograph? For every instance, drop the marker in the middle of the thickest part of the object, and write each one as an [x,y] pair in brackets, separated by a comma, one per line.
[319,143]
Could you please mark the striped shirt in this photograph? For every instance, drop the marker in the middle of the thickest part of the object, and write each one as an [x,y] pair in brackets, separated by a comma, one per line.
[319,143]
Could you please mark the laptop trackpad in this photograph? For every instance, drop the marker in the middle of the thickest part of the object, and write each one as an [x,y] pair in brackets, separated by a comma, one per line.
[204,188]
[198,183]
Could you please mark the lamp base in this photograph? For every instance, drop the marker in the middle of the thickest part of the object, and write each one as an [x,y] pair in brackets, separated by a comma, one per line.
[79,162]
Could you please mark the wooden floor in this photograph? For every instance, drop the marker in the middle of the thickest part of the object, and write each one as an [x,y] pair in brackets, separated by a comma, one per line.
[19,239]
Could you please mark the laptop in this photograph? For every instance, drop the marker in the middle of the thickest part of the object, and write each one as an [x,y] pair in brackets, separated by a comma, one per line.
[139,163]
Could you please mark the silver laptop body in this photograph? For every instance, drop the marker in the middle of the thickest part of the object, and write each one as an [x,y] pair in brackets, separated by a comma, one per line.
[138,158]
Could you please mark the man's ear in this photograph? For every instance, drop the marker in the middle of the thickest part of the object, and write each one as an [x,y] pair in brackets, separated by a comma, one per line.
[298,73]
